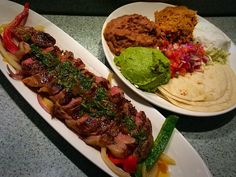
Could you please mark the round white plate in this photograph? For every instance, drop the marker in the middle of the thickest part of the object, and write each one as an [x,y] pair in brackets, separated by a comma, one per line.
[189,163]
[147,9]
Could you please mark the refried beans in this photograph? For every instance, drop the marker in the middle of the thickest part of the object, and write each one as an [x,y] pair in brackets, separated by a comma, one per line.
[130,31]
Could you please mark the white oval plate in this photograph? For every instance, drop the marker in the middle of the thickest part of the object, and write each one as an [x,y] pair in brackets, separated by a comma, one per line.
[189,163]
[147,9]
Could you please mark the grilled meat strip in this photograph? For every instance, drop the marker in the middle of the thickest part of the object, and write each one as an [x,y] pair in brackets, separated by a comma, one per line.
[29,34]
[96,111]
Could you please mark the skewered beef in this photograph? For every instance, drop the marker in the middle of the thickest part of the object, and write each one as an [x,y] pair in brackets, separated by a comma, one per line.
[96,111]
[40,38]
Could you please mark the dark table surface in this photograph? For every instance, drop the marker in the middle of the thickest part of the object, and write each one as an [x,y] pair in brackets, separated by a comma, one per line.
[30,147]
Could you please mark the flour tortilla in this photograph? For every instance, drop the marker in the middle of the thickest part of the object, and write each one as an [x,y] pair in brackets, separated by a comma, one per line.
[217,87]
[208,85]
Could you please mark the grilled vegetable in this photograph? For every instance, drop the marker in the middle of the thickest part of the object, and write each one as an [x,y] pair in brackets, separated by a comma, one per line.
[159,145]
[161,141]
[7,33]
[9,57]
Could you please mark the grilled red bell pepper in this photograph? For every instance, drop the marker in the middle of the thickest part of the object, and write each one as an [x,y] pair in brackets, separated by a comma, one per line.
[128,164]
[20,19]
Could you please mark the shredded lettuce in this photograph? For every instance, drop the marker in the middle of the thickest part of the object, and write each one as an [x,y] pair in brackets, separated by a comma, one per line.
[217,55]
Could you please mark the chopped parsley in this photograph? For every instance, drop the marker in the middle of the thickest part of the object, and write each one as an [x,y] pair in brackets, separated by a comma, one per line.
[99,105]
[140,136]
[65,73]
[100,94]
[26,37]
[48,60]
[129,123]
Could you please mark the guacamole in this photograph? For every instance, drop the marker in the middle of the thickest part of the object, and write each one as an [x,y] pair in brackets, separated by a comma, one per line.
[146,68]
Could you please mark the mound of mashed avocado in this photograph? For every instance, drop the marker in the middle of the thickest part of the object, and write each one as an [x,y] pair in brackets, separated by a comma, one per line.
[146,68]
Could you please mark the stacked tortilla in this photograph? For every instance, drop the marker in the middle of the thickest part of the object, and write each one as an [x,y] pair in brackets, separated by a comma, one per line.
[213,89]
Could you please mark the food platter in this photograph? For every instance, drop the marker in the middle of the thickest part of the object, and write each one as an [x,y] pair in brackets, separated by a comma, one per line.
[178,148]
[147,9]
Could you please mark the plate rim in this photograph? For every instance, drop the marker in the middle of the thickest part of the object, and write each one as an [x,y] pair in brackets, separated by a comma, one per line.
[145,95]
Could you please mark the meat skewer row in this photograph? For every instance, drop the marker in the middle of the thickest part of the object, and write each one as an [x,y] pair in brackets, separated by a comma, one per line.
[96,111]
